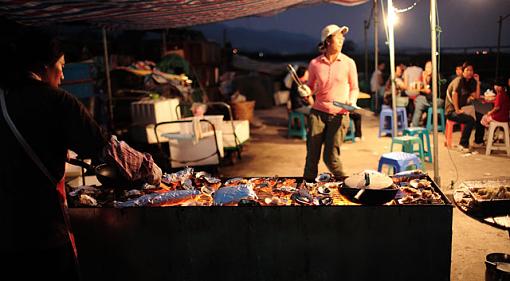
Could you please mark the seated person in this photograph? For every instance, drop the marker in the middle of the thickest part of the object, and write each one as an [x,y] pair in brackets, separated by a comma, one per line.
[299,103]
[467,90]
[402,98]
[501,109]
[377,85]
[412,79]
[424,100]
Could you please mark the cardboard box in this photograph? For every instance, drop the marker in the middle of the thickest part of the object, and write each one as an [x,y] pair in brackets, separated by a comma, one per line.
[152,111]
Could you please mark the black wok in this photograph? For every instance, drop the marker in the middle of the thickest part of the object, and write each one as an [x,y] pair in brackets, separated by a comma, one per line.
[108,175]
[369,196]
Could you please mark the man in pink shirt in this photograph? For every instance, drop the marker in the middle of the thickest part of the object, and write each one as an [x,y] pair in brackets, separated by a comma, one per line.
[332,77]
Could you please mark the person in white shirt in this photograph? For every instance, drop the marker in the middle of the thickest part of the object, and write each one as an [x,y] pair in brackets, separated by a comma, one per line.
[412,80]
[377,85]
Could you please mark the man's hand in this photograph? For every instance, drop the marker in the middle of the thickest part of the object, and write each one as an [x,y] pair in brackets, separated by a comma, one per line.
[304,90]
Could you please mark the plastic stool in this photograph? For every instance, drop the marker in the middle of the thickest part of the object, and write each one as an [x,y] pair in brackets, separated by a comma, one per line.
[408,143]
[448,133]
[400,161]
[490,138]
[350,135]
[388,112]
[297,125]
[440,121]
[423,134]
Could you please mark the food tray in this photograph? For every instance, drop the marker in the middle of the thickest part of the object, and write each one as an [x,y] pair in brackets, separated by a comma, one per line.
[491,196]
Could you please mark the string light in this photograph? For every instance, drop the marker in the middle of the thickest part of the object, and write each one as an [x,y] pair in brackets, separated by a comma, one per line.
[408,8]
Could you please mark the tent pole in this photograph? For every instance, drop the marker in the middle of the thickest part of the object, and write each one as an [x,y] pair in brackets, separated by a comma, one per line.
[108,81]
[391,22]
[433,38]
[365,27]
[376,47]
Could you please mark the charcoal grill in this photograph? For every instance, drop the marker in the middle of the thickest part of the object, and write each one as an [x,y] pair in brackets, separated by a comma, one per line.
[266,243]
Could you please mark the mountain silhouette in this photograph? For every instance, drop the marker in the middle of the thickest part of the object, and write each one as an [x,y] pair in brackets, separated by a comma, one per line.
[271,41]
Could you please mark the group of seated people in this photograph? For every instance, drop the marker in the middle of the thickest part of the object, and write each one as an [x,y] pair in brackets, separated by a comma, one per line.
[462,95]
[414,91]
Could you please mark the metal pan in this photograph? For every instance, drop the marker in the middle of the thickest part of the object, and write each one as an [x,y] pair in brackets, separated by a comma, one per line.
[369,196]
[108,175]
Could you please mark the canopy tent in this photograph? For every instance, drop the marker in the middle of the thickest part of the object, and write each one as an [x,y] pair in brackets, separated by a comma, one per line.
[147,14]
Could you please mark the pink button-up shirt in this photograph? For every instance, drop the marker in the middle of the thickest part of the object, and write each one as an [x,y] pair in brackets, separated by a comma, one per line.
[333,81]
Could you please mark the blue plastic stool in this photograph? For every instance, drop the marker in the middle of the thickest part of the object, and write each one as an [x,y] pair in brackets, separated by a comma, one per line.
[297,125]
[350,135]
[441,124]
[423,134]
[400,161]
[388,112]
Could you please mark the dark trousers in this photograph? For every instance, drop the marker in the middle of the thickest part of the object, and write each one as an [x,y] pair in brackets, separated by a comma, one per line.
[356,118]
[328,130]
[469,122]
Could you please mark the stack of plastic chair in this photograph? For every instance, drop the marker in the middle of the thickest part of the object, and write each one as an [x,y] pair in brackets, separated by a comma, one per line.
[350,135]
[423,134]
[297,125]
[388,112]
[440,121]
[399,161]
[408,145]
[490,138]
[448,133]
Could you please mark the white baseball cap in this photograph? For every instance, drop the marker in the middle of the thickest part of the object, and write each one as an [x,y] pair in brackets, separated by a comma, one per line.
[332,29]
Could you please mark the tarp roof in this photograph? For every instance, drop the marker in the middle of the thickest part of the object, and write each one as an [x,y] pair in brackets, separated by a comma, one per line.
[146,14]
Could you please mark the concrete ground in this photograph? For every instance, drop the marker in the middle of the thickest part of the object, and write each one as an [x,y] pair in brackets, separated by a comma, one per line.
[269,152]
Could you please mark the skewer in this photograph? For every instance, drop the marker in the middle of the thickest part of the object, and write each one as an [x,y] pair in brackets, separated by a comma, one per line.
[294,75]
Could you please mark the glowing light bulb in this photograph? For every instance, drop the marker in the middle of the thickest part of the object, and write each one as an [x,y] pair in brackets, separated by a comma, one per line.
[393,18]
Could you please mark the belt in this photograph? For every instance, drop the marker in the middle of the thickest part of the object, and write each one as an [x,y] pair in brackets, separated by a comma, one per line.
[330,114]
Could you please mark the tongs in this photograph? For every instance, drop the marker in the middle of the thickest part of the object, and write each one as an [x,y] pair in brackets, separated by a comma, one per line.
[294,75]
[363,186]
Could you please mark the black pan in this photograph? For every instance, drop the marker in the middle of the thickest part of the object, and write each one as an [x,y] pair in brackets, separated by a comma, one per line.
[108,175]
[369,196]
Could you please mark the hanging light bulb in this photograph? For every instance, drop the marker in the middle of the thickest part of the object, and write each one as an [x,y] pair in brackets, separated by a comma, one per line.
[393,18]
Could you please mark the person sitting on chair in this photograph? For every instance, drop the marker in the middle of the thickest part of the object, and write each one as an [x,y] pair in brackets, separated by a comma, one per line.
[299,103]
[424,100]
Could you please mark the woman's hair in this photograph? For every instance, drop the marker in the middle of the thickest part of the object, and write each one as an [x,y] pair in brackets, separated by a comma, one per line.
[500,81]
[466,64]
[46,53]
[28,50]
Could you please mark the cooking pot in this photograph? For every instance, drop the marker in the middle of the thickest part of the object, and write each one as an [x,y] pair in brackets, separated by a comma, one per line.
[497,267]
[107,174]
[368,188]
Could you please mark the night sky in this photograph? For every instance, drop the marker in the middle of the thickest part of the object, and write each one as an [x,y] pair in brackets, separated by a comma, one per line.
[464,23]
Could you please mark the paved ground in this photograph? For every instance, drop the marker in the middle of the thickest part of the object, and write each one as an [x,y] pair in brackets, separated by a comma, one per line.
[269,152]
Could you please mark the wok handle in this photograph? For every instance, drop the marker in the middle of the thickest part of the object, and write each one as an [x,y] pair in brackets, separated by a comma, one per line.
[360,192]
[80,163]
